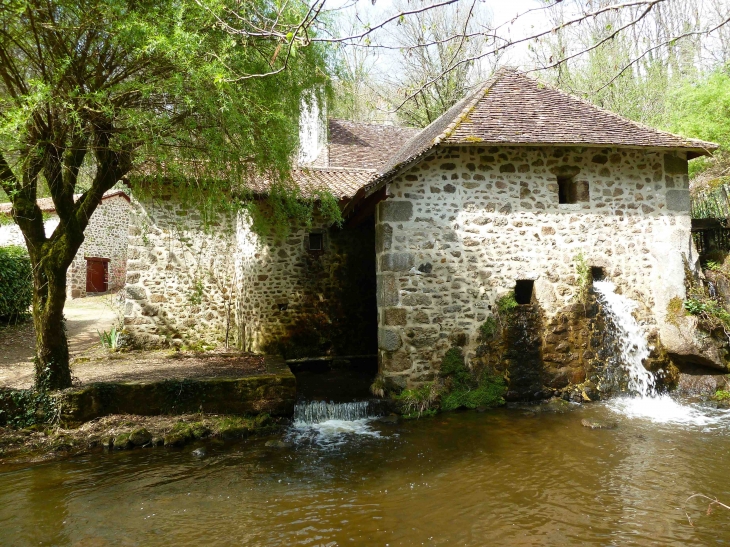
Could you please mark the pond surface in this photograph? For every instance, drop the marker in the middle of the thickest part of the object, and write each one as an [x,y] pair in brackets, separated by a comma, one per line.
[508,477]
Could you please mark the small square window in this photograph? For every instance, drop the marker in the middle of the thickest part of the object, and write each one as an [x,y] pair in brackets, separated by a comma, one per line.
[572,191]
[316,242]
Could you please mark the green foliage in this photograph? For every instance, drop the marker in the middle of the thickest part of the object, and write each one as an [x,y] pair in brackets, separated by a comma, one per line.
[583,274]
[488,393]
[701,108]
[722,395]
[463,390]
[16,283]
[418,401]
[507,304]
[711,313]
[195,296]
[488,329]
[110,340]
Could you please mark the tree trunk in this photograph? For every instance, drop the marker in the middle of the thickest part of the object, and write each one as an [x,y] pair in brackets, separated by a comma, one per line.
[49,297]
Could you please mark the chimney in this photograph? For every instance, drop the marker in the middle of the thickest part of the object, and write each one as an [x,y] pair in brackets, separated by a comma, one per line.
[312,128]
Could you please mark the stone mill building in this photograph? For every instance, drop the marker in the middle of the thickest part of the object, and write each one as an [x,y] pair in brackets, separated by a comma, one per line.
[504,192]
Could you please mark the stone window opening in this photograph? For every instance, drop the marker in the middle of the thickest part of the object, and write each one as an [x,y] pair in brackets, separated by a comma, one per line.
[571,191]
[316,242]
[523,291]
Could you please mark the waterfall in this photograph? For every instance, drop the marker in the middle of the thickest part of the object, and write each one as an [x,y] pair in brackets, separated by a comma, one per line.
[328,425]
[315,412]
[630,350]
[629,337]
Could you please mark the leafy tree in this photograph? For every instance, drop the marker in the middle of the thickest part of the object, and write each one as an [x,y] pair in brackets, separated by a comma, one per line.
[113,87]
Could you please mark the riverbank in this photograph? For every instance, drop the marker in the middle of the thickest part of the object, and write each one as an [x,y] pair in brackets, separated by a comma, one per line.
[44,443]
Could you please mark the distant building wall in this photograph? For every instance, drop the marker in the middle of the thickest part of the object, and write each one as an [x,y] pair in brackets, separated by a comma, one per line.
[104,237]
[461,227]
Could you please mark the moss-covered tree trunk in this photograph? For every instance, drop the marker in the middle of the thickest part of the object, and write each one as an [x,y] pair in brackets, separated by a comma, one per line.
[49,298]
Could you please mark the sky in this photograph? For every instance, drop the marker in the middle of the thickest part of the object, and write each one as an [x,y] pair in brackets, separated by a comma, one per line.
[503,12]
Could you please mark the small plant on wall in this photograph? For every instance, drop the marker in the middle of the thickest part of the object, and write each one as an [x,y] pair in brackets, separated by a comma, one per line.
[583,275]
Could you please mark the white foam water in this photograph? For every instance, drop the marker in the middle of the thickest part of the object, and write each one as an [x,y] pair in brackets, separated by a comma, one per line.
[331,424]
[643,401]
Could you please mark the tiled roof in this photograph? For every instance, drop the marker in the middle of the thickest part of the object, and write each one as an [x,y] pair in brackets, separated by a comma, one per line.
[47,206]
[511,108]
[516,109]
[361,145]
[341,183]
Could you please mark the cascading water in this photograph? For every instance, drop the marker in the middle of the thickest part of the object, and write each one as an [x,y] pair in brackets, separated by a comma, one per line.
[314,412]
[630,350]
[631,346]
[328,424]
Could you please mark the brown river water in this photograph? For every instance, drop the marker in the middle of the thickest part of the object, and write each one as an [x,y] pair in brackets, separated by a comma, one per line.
[507,477]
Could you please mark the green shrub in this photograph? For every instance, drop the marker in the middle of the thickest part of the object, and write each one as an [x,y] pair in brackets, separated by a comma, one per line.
[488,393]
[418,401]
[488,329]
[16,283]
[463,390]
[722,395]
[507,304]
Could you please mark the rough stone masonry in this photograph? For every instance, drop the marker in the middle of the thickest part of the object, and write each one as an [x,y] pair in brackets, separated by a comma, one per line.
[461,227]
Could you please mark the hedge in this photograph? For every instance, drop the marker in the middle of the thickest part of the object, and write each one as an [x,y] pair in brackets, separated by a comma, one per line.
[16,282]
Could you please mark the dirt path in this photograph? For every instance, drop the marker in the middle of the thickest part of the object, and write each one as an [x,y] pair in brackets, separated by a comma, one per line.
[84,317]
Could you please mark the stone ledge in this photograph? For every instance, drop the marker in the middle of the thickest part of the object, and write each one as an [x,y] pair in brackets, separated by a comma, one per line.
[273,393]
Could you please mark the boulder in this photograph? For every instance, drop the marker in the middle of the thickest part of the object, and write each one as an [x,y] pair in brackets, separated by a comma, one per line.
[686,345]
[140,436]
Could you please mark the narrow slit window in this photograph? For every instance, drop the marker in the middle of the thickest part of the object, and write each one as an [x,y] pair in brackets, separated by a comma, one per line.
[572,191]
[316,242]
[523,291]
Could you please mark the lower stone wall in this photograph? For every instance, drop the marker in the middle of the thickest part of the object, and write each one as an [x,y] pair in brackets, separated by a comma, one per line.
[180,275]
[301,302]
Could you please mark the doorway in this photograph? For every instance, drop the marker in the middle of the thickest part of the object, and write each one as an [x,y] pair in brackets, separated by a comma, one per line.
[97,274]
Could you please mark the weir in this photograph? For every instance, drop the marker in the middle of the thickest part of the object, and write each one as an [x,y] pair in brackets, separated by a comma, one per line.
[314,412]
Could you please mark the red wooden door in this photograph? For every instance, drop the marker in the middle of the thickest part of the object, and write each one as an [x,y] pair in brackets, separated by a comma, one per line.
[96,275]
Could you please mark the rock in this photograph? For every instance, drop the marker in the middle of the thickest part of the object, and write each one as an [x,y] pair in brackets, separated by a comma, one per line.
[688,347]
[107,443]
[157,441]
[175,439]
[140,436]
[598,425]
[122,442]
[199,431]
[200,452]
[389,419]
[276,443]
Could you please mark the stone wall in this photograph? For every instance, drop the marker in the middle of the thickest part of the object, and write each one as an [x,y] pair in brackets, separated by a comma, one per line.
[104,237]
[179,274]
[301,302]
[188,281]
[461,227]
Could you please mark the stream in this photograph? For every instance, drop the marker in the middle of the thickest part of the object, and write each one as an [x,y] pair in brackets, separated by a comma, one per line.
[522,476]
